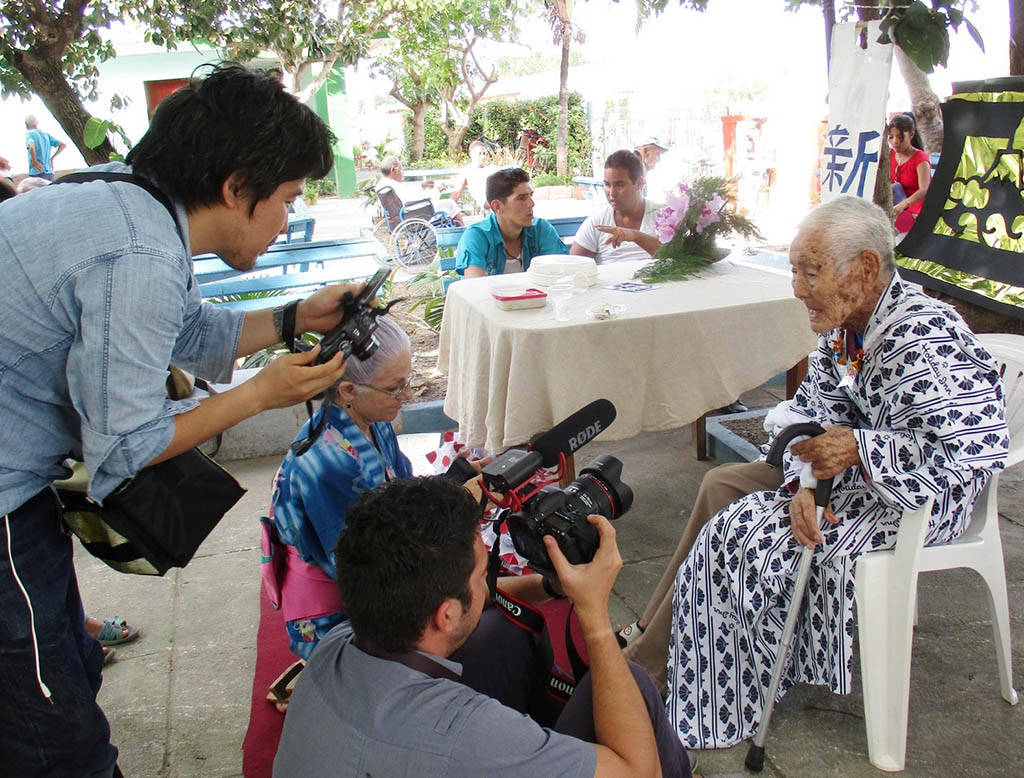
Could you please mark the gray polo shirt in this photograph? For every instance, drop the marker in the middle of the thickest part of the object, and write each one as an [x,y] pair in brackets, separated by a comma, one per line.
[353,715]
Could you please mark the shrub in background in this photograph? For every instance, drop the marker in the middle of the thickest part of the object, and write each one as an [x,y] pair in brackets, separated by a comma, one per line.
[503,121]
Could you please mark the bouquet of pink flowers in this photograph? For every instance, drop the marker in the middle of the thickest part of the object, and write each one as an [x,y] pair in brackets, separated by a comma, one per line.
[693,217]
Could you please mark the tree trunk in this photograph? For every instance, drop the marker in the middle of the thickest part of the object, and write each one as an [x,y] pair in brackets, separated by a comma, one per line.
[923,102]
[1017,37]
[419,113]
[456,136]
[48,81]
[882,195]
[828,12]
[562,139]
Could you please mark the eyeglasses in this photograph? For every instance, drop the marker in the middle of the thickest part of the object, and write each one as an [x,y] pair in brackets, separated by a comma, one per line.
[395,394]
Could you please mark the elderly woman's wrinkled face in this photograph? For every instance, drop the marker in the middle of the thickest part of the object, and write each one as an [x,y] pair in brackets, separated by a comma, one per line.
[831,297]
[381,399]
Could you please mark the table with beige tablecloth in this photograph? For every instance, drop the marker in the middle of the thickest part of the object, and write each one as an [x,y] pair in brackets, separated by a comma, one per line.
[675,353]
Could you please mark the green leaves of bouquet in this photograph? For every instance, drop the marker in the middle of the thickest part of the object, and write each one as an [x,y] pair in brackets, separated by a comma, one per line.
[693,217]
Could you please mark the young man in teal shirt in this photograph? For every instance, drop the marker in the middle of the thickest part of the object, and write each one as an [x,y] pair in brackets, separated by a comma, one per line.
[509,237]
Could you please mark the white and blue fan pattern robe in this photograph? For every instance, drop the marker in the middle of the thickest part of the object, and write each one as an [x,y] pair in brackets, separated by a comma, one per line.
[928,413]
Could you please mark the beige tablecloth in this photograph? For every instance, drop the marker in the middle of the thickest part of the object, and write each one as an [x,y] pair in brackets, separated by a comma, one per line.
[675,353]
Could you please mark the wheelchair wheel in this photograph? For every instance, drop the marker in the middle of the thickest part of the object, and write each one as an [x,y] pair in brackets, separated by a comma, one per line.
[413,244]
[385,257]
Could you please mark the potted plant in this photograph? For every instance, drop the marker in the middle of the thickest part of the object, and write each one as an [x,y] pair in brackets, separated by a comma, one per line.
[694,216]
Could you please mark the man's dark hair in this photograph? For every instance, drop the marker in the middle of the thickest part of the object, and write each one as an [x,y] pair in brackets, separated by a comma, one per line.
[408,547]
[7,190]
[234,119]
[626,160]
[501,184]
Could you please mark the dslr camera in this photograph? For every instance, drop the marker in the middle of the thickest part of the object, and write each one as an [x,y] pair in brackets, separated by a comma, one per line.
[353,336]
[534,507]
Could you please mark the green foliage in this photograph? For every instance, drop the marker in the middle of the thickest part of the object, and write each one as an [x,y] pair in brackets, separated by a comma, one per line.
[503,122]
[430,282]
[95,134]
[312,190]
[922,32]
[511,67]
[435,143]
[550,179]
[68,39]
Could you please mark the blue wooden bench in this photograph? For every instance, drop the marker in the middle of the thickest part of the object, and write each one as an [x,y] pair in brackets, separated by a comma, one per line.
[300,223]
[448,240]
[593,188]
[294,263]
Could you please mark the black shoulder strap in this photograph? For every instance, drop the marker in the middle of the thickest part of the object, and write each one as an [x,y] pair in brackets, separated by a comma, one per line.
[128,178]
[417,661]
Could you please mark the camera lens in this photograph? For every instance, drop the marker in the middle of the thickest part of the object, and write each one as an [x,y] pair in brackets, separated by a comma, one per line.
[599,489]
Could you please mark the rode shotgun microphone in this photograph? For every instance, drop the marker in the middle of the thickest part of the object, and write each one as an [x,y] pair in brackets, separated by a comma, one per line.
[573,432]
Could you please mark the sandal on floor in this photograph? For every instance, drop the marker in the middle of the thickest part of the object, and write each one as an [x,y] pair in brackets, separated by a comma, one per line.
[280,690]
[116,631]
[629,634]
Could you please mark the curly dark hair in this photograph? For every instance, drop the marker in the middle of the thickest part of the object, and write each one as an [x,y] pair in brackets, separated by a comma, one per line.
[233,120]
[409,546]
[626,160]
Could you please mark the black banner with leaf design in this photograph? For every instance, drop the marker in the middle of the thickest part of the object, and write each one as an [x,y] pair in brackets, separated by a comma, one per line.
[968,240]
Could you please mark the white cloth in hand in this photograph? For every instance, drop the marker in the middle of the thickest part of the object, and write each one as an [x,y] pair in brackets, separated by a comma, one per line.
[780,417]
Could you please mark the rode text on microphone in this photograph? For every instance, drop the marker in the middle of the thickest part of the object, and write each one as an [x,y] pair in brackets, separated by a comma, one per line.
[532,504]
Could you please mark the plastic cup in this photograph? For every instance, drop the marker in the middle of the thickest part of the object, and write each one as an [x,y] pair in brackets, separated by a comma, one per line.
[560,295]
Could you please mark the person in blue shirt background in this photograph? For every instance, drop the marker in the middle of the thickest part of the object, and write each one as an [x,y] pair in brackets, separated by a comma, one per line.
[42,147]
[509,237]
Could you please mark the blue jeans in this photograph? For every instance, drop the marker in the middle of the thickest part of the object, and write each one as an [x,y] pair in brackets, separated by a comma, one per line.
[67,735]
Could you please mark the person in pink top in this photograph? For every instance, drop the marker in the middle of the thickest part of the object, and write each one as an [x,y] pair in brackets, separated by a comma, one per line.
[909,167]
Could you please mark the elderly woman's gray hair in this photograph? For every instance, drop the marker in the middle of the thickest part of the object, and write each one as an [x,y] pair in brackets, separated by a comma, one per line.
[391,342]
[849,225]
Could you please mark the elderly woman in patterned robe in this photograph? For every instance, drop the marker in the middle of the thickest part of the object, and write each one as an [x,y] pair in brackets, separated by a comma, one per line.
[357,451]
[913,408]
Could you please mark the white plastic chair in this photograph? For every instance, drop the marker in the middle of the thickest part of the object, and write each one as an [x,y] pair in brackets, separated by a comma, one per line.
[886,592]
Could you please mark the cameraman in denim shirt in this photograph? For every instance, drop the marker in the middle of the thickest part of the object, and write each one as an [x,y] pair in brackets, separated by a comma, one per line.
[98,299]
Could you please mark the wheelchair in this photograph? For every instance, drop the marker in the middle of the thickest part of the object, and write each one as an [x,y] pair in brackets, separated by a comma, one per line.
[408,230]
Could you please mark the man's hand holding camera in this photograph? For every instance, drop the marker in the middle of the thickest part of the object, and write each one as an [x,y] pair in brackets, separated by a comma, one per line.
[293,378]
[589,585]
[322,310]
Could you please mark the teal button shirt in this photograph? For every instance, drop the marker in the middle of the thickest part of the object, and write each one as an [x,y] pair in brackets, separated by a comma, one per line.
[482,245]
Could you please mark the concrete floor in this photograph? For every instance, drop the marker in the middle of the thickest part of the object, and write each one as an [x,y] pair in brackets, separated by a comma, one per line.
[178,698]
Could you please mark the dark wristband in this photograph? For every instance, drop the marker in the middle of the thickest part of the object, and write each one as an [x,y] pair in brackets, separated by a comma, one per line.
[549,590]
[288,324]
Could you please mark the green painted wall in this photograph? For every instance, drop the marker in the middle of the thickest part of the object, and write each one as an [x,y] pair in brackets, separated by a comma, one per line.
[331,103]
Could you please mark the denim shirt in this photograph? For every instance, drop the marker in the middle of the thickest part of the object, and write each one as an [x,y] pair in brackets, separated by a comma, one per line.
[97,299]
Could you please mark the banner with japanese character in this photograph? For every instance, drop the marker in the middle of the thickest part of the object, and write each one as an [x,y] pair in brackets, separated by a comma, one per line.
[858,88]
[968,240]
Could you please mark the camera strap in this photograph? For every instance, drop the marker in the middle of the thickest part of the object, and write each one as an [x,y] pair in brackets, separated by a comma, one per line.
[558,686]
[416,661]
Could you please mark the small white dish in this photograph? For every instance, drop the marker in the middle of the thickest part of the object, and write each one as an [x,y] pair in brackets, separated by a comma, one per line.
[605,311]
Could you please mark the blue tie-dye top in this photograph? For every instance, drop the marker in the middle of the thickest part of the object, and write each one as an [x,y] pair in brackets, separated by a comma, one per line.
[312,493]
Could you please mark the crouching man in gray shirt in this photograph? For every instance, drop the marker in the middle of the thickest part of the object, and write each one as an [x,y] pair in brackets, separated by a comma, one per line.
[412,571]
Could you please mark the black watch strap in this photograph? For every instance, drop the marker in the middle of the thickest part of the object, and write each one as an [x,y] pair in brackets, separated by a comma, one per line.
[288,324]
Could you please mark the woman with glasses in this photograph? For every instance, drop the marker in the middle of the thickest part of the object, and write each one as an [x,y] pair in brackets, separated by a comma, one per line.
[357,451]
